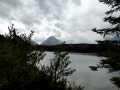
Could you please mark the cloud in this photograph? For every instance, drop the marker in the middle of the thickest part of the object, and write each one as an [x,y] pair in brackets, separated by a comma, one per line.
[7,6]
[69,20]
[52,7]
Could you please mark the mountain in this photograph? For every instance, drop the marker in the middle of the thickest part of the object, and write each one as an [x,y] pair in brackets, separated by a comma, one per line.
[52,41]
[116,38]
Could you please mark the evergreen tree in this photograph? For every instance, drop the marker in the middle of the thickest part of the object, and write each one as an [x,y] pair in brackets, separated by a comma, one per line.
[112,62]
[112,17]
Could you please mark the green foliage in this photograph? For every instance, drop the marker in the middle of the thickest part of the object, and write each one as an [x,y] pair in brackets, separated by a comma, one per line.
[112,17]
[113,58]
[18,65]
[59,67]
[112,61]
[35,57]
[116,81]
[59,70]
[13,58]
[16,53]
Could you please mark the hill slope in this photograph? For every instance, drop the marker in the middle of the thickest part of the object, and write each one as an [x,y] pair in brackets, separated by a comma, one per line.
[51,41]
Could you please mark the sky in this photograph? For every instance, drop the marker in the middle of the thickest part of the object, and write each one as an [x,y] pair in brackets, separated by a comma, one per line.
[68,20]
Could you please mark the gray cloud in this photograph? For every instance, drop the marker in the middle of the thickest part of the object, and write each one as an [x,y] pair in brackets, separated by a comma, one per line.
[64,19]
[51,6]
[7,6]
[11,3]
[77,2]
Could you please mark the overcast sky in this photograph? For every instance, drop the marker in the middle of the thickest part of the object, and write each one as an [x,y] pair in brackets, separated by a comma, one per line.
[68,20]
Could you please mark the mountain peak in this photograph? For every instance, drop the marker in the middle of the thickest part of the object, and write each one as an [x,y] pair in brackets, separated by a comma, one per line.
[52,37]
[116,38]
[51,41]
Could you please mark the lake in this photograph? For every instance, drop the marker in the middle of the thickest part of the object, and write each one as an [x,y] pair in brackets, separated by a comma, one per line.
[91,80]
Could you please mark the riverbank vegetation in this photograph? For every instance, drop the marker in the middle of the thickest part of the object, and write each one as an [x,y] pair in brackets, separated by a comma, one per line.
[112,62]
[19,70]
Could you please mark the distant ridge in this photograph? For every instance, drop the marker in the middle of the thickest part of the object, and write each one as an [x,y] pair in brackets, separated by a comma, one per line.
[51,41]
[116,38]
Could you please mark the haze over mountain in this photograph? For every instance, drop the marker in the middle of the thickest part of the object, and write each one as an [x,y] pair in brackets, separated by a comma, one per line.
[52,41]
[116,38]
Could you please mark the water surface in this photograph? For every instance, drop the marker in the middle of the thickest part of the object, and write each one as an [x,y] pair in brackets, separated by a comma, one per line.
[91,80]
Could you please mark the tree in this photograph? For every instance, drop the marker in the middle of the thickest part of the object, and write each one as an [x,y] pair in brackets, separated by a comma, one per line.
[112,62]
[59,68]
[18,65]
[112,17]
[16,53]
